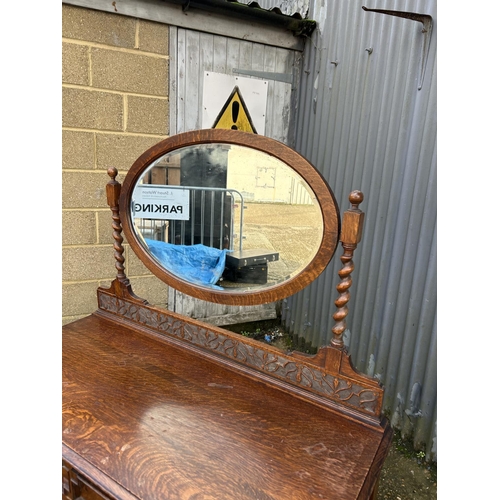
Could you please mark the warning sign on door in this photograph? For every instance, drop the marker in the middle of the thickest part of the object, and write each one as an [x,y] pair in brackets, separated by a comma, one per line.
[234,115]
[221,92]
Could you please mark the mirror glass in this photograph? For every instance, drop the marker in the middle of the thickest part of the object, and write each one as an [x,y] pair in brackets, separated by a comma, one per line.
[226,217]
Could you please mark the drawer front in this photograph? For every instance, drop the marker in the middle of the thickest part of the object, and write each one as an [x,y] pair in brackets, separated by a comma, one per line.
[76,487]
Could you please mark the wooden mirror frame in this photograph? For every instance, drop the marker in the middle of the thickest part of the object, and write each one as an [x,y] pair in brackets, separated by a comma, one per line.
[326,200]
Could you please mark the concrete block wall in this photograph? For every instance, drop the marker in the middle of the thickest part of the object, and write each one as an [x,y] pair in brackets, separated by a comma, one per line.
[114,106]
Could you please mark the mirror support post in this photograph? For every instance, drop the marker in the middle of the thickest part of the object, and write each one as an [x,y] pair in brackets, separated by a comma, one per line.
[350,236]
[113,188]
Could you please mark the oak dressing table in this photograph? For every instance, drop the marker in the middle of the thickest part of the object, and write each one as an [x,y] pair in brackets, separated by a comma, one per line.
[157,405]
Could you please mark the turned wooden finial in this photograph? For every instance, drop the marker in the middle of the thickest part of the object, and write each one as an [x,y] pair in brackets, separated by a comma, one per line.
[356,197]
[113,188]
[112,172]
[350,236]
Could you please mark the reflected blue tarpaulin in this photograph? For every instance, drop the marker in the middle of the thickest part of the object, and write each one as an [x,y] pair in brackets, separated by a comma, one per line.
[197,264]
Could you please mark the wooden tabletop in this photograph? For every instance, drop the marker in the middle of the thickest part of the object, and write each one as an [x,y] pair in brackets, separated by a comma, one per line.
[157,421]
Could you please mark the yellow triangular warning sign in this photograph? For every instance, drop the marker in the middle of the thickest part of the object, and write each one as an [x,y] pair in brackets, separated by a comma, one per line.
[234,114]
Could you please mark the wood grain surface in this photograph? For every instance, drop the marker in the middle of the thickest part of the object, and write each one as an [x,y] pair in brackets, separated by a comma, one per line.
[163,423]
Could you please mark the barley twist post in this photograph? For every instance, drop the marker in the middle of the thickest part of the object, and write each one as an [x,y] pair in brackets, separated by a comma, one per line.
[113,188]
[350,236]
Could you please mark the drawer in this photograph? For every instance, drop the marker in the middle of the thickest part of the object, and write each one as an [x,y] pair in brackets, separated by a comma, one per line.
[76,487]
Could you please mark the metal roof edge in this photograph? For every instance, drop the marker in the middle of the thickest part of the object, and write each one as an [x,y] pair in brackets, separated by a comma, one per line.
[295,23]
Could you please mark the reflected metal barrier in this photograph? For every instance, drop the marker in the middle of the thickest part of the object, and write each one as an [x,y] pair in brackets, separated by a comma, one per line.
[211,220]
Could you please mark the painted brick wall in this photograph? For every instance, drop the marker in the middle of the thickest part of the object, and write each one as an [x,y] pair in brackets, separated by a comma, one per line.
[114,106]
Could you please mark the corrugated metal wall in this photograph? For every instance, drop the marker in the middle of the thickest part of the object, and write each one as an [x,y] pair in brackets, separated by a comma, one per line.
[365,125]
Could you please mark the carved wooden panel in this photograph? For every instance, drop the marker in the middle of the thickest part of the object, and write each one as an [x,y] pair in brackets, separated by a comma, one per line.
[359,393]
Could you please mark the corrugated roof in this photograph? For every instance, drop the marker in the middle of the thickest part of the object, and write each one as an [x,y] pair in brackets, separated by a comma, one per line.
[298,9]
[288,14]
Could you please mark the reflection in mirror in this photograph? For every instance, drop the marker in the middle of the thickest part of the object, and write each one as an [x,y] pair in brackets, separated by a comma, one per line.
[226,217]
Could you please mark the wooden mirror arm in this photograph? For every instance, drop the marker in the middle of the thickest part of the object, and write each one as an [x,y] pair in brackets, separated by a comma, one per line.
[352,229]
[120,286]
[113,188]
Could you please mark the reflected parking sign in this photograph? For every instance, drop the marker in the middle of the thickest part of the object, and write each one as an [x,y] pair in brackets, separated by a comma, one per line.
[153,201]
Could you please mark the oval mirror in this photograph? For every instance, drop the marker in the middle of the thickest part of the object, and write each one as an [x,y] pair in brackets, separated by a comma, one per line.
[229,217]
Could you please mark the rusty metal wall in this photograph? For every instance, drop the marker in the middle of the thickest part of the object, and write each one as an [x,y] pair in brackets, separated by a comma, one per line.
[365,125]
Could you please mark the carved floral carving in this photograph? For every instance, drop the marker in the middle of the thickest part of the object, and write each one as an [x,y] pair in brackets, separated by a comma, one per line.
[299,373]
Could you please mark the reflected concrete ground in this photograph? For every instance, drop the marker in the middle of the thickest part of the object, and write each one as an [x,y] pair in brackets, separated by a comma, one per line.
[291,230]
